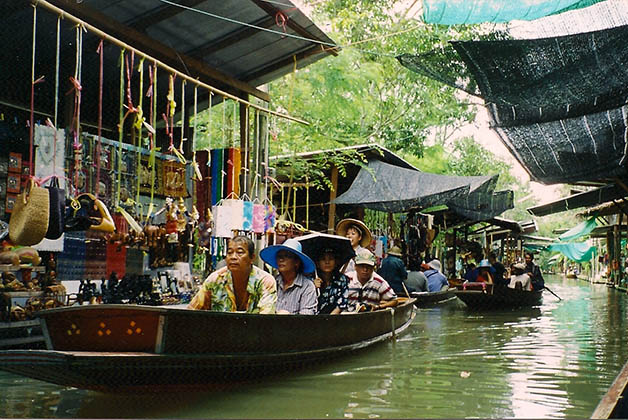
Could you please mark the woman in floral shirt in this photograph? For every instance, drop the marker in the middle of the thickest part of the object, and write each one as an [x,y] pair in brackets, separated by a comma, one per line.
[333,285]
[240,286]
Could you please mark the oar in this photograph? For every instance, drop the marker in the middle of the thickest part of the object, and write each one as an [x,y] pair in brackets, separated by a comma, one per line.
[548,289]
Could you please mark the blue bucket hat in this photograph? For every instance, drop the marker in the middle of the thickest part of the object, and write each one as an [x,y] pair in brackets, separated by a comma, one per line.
[269,254]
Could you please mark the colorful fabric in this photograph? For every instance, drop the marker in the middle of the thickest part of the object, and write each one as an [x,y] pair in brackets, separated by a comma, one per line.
[259,211]
[217,292]
[334,295]
[247,215]
[299,298]
[372,292]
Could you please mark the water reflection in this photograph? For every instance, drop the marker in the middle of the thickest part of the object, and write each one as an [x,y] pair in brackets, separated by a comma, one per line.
[555,361]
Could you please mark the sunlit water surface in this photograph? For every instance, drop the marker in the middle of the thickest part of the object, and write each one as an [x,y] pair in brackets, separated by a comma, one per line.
[555,361]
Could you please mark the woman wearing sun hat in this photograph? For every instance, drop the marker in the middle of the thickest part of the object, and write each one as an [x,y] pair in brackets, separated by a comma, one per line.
[296,294]
[359,235]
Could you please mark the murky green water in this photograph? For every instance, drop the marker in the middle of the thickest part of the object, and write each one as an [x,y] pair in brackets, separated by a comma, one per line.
[551,362]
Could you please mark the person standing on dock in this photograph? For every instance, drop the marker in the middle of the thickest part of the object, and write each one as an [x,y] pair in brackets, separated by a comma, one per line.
[533,270]
[240,286]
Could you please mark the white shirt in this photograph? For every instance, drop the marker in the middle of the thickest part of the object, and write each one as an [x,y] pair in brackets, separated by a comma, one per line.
[523,278]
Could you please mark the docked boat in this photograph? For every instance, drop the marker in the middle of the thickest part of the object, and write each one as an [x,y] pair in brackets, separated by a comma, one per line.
[426,299]
[114,348]
[614,404]
[488,296]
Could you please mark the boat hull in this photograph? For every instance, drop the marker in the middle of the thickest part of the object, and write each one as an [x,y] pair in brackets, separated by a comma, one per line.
[426,299]
[614,404]
[499,298]
[192,349]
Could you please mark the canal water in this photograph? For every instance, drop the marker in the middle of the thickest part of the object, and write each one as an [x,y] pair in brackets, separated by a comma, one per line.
[555,361]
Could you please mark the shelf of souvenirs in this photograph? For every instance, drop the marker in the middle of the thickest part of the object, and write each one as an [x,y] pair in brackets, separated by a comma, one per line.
[13,268]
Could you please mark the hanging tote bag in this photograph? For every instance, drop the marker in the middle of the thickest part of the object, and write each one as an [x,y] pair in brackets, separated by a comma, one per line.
[247,215]
[29,219]
[259,211]
[56,220]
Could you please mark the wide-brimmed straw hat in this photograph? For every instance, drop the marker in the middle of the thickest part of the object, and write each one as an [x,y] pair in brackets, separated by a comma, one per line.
[269,254]
[395,250]
[345,224]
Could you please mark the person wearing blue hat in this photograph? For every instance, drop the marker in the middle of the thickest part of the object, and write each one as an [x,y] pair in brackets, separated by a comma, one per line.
[296,294]
[485,272]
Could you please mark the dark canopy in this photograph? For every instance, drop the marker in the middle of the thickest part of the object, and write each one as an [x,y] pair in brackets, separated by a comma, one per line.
[558,103]
[386,187]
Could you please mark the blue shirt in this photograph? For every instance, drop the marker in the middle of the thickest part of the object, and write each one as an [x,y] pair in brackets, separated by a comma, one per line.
[299,298]
[394,272]
[435,280]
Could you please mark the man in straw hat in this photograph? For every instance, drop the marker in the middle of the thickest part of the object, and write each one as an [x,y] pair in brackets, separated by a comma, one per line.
[394,271]
[296,294]
[367,290]
[240,286]
[359,235]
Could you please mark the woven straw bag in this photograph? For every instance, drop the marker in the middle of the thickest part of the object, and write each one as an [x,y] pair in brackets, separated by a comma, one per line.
[29,219]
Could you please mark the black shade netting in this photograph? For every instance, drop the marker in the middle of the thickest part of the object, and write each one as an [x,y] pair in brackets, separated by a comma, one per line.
[390,188]
[478,206]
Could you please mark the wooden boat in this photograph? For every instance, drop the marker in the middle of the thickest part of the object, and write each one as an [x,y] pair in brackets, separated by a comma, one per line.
[614,404]
[117,348]
[425,299]
[489,296]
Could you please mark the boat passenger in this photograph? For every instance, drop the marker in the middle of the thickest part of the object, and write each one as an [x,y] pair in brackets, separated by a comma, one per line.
[393,270]
[296,293]
[500,269]
[519,278]
[240,286]
[333,286]
[533,270]
[485,272]
[368,291]
[416,281]
[436,281]
[359,235]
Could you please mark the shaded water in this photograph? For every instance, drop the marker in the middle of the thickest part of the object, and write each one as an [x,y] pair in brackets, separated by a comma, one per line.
[550,362]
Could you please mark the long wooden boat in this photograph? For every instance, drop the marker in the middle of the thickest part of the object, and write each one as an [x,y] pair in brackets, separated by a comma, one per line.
[117,348]
[425,299]
[499,297]
[614,404]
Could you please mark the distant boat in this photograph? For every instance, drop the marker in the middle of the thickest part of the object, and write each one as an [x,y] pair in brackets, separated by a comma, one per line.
[425,299]
[119,348]
[499,297]
[614,404]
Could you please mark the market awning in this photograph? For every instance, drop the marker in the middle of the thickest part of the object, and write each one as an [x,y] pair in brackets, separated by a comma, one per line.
[579,252]
[579,230]
[583,199]
[386,187]
[557,103]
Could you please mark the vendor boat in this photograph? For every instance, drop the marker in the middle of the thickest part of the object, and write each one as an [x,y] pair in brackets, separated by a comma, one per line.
[489,296]
[426,299]
[119,348]
[614,404]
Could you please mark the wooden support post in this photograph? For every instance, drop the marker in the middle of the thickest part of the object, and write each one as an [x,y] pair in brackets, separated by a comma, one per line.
[331,217]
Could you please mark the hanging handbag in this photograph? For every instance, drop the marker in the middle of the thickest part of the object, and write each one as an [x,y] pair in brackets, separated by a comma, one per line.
[29,219]
[57,209]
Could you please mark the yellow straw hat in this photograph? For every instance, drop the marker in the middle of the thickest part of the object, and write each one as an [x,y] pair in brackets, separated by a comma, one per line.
[345,224]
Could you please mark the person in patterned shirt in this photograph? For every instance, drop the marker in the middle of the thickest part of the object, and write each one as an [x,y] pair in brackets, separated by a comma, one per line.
[240,286]
[368,291]
[332,285]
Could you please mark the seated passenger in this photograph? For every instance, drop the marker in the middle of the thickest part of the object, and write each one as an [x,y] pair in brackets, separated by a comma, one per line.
[416,281]
[296,294]
[240,286]
[500,269]
[333,286]
[393,270]
[484,272]
[367,290]
[436,281]
[519,278]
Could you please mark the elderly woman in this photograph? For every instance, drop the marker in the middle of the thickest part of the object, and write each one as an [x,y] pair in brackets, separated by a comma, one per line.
[333,286]
[296,294]
[359,235]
